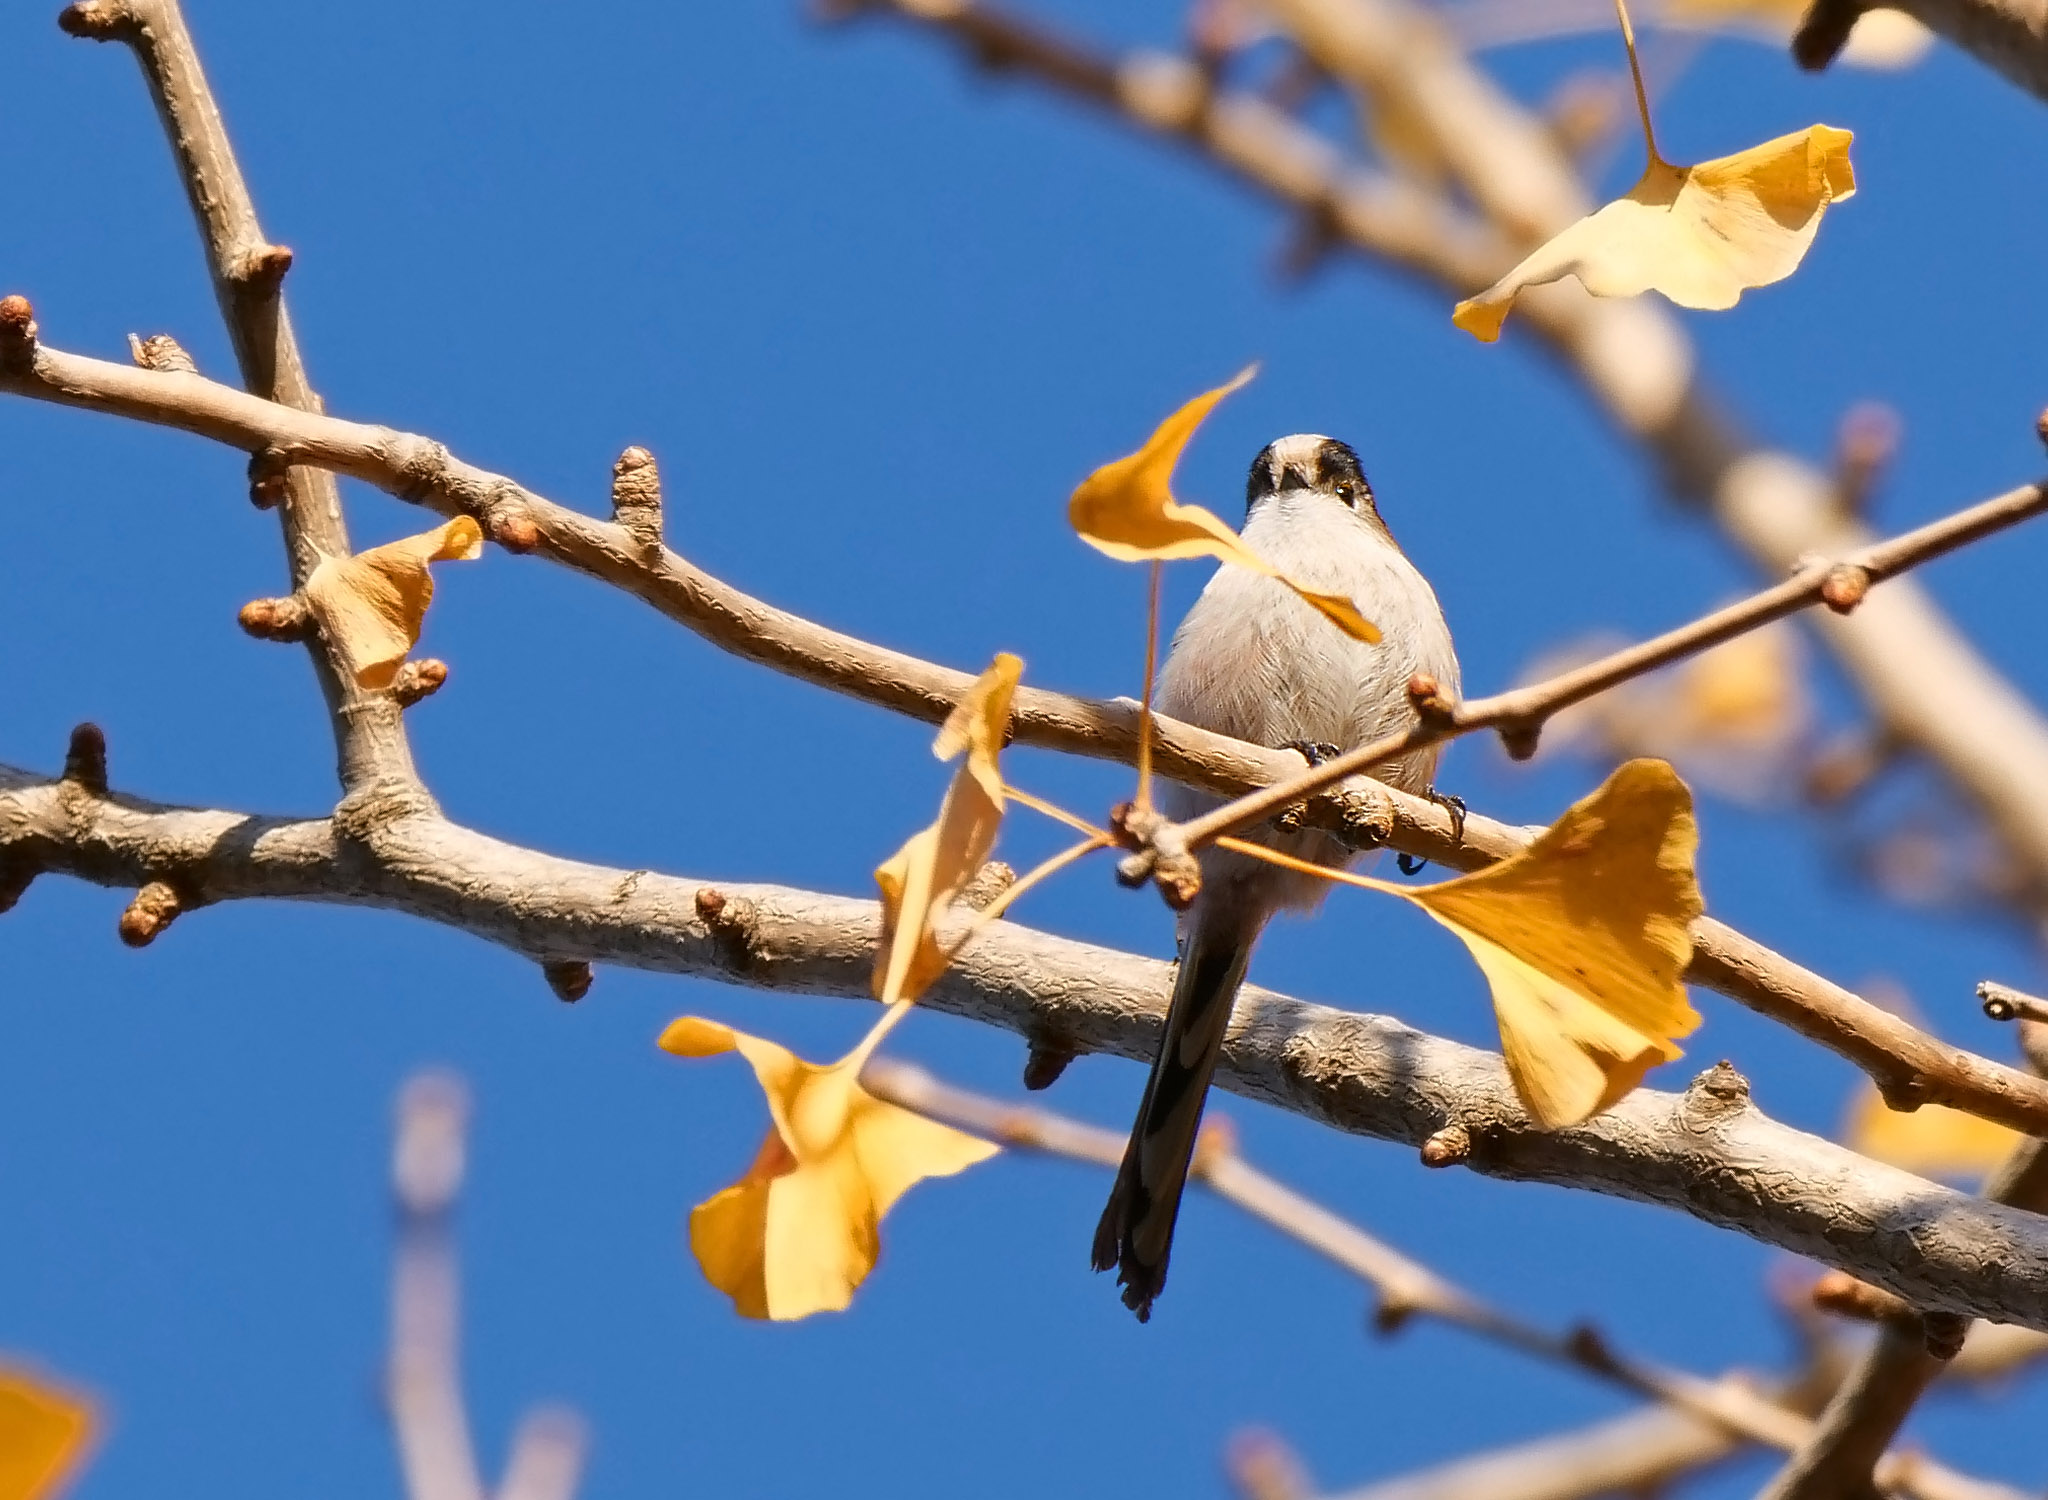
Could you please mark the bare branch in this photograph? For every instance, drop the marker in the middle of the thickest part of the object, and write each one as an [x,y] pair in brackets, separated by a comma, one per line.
[424,1385]
[247,273]
[1729,1409]
[1707,1152]
[1866,1414]
[1908,1065]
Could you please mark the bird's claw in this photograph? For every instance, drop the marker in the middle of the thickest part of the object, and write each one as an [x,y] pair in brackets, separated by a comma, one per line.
[1455,806]
[1315,752]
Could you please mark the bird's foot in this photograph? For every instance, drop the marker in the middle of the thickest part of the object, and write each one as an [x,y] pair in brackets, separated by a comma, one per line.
[1455,806]
[1315,752]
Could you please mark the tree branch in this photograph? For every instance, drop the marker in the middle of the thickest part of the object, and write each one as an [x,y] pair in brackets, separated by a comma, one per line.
[1707,1152]
[1910,1353]
[1909,1066]
[248,273]
[1730,1410]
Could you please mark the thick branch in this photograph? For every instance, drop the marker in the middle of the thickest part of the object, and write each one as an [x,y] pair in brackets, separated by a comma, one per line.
[1707,1152]
[248,273]
[1866,1414]
[1907,1064]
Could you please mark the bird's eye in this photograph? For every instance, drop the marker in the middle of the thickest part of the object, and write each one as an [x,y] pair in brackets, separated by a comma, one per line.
[1347,492]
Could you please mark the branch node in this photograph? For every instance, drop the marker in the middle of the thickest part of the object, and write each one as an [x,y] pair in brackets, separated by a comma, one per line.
[731,922]
[989,882]
[268,469]
[1944,1333]
[1392,1313]
[1718,1092]
[636,498]
[261,269]
[1448,1147]
[569,978]
[1824,32]
[285,619]
[1844,587]
[1431,704]
[154,908]
[1588,1347]
[1159,854]
[511,527]
[1045,1060]
[419,679]
[1520,738]
[1902,1093]
[85,759]
[17,334]
[97,21]
[162,353]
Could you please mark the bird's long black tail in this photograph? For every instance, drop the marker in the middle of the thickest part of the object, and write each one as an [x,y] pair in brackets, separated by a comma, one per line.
[1136,1232]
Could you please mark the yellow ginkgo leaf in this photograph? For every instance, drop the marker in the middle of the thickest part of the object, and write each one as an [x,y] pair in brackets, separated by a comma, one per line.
[920,880]
[43,1432]
[1932,1140]
[800,1230]
[370,606]
[1700,235]
[1583,937]
[1127,510]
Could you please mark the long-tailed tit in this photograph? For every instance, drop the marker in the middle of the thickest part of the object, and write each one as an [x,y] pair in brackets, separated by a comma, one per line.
[1251,660]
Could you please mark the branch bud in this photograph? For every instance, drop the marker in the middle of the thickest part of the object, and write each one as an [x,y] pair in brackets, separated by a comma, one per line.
[261,269]
[419,679]
[512,528]
[85,759]
[1045,1061]
[1448,1147]
[97,21]
[569,978]
[1844,587]
[285,619]
[17,335]
[161,352]
[154,908]
[268,468]
[636,498]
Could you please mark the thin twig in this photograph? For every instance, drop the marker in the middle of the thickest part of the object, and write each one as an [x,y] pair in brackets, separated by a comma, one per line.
[248,273]
[1910,1066]
[1406,1288]
[424,1386]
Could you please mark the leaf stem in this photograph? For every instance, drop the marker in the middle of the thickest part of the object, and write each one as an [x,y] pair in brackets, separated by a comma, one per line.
[1635,72]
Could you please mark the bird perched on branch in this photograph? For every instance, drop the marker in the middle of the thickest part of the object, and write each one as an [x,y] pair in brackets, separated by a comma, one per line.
[1253,661]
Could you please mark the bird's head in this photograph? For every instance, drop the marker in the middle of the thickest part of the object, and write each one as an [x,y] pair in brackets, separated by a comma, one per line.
[1311,464]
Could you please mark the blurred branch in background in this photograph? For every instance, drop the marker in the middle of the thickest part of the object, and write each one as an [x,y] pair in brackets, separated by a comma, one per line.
[1925,685]
[424,1385]
[1698,1422]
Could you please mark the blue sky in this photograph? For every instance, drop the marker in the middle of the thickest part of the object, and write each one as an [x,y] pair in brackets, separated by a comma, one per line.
[875,316]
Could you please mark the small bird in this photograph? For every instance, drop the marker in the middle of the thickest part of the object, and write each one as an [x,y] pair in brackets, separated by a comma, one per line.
[1252,661]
